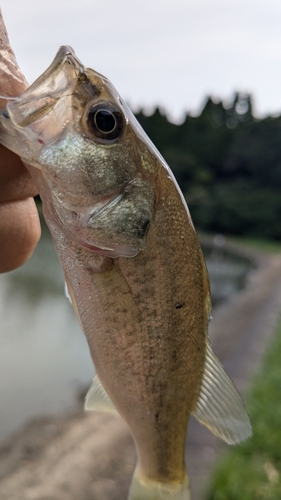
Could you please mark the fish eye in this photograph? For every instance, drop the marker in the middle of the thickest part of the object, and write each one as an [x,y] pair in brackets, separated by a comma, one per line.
[105,121]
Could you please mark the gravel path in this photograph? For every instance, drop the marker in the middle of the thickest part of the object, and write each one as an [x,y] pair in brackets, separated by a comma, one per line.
[92,457]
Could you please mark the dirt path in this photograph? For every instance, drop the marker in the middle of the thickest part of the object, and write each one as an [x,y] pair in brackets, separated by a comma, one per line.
[92,457]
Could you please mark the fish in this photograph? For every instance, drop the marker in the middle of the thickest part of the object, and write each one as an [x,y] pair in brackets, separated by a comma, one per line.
[133,267]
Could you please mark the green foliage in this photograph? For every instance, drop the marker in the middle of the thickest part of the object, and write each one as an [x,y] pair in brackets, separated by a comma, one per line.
[228,165]
[230,208]
[253,470]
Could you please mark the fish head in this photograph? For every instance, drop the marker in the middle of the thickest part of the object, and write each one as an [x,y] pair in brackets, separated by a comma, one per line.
[94,168]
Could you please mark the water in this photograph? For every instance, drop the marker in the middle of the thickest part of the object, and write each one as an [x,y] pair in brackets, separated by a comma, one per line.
[227,271]
[44,357]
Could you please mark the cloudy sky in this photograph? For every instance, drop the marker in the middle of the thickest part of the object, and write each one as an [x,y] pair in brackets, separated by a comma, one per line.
[166,52]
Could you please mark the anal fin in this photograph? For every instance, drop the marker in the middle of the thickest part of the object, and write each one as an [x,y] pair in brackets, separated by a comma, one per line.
[97,399]
[219,406]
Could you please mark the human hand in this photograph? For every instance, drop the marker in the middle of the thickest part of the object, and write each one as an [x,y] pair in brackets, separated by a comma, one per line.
[19,221]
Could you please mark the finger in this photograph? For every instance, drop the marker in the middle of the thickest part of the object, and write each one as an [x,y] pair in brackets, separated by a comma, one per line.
[12,80]
[19,233]
[19,220]
[16,182]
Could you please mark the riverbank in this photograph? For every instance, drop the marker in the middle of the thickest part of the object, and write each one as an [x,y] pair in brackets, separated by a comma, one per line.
[91,456]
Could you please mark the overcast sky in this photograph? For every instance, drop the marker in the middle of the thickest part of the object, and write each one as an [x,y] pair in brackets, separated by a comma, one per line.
[166,52]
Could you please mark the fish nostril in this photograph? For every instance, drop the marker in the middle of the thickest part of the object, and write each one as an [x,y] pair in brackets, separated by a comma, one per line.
[143,227]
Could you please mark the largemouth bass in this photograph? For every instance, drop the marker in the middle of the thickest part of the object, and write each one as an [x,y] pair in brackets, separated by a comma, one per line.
[133,268]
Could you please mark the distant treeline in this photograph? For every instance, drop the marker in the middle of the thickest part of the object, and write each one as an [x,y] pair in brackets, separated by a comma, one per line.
[228,165]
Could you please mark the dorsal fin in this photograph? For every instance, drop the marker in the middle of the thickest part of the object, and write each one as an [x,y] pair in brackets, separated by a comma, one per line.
[219,406]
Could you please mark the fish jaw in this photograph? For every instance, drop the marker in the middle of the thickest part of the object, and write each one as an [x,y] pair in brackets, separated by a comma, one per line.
[44,110]
[25,123]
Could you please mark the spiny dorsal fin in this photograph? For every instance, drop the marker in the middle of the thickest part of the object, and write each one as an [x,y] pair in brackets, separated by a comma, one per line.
[97,399]
[219,406]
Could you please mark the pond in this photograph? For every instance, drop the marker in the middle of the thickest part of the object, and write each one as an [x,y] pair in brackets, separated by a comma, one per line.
[44,357]
[227,270]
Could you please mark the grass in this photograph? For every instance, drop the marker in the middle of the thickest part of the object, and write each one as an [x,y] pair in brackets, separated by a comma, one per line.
[252,470]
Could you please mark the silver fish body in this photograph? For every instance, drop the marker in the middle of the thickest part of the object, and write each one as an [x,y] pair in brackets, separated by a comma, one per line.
[133,267]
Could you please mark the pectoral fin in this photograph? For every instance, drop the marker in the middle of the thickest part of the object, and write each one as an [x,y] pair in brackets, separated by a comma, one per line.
[66,293]
[219,406]
[97,399]
[71,298]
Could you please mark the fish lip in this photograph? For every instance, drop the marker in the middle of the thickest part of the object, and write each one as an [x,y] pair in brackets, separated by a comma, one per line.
[67,52]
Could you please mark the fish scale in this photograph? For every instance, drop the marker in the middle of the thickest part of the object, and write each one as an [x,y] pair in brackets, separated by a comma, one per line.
[133,267]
